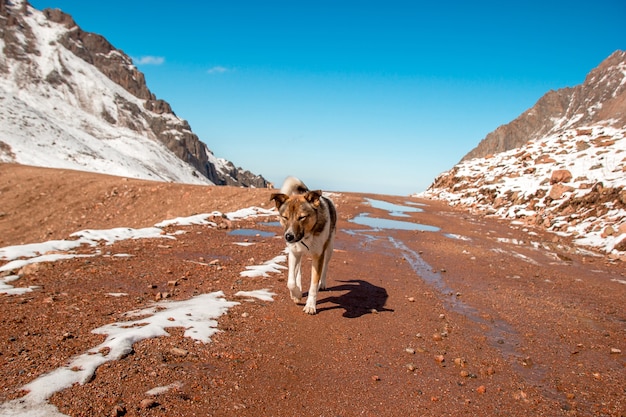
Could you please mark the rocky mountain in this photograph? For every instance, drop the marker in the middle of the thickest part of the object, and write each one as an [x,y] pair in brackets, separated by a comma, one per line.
[600,99]
[561,165]
[70,99]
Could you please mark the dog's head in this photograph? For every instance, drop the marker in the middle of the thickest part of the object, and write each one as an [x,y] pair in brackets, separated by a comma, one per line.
[297,213]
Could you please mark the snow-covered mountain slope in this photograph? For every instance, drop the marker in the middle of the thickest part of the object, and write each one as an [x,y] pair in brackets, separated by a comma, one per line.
[570,183]
[69,99]
[556,172]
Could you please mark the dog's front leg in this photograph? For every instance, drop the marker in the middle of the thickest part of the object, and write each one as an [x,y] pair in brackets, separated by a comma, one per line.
[316,269]
[294,280]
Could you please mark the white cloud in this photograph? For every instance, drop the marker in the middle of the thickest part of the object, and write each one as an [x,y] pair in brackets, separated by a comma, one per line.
[150,60]
[218,69]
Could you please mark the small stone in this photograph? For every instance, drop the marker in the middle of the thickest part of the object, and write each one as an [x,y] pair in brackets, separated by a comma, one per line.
[172,283]
[410,350]
[437,337]
[459,362]
[615,351]
[245,315]
[411,367]
[481,389]
[464,373]
[442,316]
[148,403]
[440,358]
[375,378]
[411,299]
[179,352]
[118,411]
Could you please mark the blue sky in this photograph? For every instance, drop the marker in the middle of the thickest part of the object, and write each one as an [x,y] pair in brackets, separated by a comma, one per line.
[367,96]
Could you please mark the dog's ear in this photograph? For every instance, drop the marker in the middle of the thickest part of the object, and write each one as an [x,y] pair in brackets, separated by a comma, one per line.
[279,199]
[313,197]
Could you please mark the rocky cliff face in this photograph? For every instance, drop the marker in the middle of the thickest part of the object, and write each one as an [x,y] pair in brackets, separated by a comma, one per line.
[601,98]
[47,67]
[561,165]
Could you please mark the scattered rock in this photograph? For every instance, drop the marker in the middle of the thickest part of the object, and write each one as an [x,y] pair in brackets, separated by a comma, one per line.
[148,403]
[179,352]
[118,411]
[460,362]
[557,191]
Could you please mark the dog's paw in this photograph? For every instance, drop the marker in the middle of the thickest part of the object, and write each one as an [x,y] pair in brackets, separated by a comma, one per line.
[309,309]
[296,295]
[296,300]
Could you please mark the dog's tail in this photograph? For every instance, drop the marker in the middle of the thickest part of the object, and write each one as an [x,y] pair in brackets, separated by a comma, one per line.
[293,185]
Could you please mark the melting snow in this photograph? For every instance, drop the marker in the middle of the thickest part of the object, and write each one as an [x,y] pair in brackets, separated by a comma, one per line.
[198,315]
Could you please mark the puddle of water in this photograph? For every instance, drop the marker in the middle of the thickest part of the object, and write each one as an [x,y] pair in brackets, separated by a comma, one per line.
[393,209]
[376,223]
[251,232]
[270,224]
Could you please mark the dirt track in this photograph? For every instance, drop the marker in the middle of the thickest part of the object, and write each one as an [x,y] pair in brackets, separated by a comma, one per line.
[477,318]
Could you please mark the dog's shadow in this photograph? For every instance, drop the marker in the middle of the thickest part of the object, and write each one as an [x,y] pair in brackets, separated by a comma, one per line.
[361,298]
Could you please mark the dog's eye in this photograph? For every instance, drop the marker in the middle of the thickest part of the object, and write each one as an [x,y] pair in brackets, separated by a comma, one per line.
[284,218]
[302,218]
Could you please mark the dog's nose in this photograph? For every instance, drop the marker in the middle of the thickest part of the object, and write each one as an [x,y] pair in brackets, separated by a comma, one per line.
[290,237]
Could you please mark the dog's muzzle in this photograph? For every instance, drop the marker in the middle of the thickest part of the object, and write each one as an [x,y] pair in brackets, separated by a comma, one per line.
[290,237]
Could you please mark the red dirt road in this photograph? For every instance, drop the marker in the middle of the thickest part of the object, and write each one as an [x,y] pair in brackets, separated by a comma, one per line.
[480,317]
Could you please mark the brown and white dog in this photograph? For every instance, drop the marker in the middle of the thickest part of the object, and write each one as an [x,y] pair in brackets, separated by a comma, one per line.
[309,220]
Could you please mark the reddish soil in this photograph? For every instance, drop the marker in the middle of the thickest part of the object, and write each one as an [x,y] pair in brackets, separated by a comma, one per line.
[479,318]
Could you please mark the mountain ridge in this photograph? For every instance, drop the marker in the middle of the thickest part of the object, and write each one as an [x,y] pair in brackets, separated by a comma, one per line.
[569,107]
[41,74]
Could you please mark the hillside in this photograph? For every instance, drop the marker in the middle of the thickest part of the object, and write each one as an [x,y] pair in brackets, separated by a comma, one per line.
[561,168]
[70,99]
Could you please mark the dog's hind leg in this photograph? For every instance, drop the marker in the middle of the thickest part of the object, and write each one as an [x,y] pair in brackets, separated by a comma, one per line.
[294,279]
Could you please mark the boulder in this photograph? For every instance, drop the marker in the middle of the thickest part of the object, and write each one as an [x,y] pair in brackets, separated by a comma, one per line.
[560,175]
